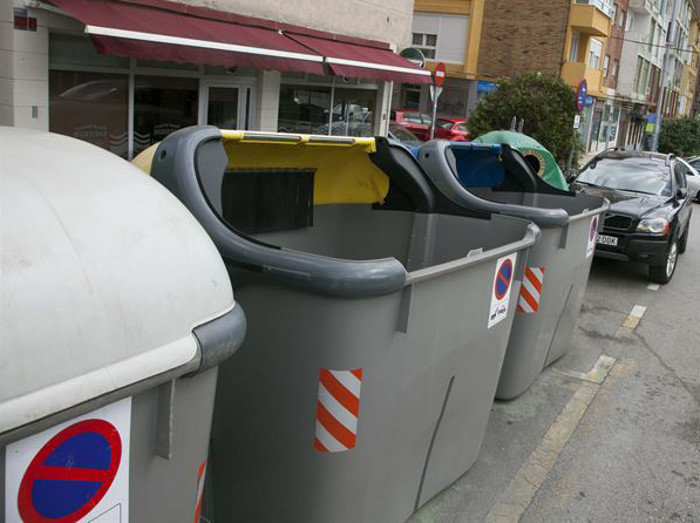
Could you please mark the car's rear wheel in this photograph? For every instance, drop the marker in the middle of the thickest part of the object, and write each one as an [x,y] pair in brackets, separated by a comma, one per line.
[664,272]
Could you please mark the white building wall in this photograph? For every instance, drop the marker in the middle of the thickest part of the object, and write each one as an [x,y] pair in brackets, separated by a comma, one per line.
[24,55]
[24,73]
[383,20]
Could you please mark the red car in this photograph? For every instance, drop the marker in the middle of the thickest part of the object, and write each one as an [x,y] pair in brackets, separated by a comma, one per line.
[452,128]
[415,121]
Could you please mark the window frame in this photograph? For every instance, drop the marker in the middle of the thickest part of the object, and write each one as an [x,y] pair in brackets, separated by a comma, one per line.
[423,46]
[680,180]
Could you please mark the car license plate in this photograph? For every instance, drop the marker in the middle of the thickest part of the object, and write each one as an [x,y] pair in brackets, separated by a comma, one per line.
[607,240]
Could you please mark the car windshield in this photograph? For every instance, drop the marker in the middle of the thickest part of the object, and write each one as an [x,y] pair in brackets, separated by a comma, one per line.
[403,135]
[444,124]
[638,174]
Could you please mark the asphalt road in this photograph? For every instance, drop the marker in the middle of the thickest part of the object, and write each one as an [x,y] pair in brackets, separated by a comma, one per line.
[626,449]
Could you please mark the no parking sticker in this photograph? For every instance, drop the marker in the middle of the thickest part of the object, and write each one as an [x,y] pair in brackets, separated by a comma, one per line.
[502,283]
[76,471]
[592,234]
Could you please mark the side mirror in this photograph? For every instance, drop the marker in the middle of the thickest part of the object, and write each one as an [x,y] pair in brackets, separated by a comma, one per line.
[681,193]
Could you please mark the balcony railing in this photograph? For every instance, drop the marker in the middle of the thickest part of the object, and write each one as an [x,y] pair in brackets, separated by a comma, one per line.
[644,6]
[606,6]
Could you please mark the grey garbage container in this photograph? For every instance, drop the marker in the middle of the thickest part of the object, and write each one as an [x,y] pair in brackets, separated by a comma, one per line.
[116,311]
[495,178]
[377,327]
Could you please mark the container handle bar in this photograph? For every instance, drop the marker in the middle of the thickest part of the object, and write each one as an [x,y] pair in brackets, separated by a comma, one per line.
[433,158]
[592,212]
[192,159]
[532,235]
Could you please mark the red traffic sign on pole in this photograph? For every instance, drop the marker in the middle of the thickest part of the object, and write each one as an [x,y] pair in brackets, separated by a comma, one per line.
[439,74]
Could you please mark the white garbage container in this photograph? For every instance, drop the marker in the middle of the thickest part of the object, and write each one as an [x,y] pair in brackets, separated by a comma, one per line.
[116,311]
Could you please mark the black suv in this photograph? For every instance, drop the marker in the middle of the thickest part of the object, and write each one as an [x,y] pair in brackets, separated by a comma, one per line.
[649,216]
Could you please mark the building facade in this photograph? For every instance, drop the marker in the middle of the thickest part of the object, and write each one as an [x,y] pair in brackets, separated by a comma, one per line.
[640,86]
[691,63]
[297,66]
[482,41]
[640,66]
[501,38]
[589,26]
[447,31]
[606,133]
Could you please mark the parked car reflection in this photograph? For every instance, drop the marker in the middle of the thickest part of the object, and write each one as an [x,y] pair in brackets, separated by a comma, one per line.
[366,129]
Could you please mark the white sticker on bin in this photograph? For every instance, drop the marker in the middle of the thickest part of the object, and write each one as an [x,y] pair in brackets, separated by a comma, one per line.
[502,284]
[75,471]
[592,234]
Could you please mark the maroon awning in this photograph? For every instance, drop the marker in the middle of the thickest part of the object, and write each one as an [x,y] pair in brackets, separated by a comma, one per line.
[154,34]
[158,33]
[359,61]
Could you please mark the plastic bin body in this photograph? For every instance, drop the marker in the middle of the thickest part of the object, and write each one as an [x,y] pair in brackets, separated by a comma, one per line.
[413,330]
[107,319]
[502,182]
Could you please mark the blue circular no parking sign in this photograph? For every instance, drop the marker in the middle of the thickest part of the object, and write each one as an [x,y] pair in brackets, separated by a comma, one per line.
[504,275]
[581,94]
[71,473]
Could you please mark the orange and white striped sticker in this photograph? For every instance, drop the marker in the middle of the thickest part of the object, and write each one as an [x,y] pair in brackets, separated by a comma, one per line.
[531,290]
[337,410]
[200,490]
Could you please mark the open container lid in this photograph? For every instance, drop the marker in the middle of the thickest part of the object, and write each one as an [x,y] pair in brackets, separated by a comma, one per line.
[104,277]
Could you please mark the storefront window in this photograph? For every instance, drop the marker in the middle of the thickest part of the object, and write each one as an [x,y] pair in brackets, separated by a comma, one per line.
[90,106]
[222,109]
[304,109]
[410,96]
[77,50]
[162,105]
[353,112]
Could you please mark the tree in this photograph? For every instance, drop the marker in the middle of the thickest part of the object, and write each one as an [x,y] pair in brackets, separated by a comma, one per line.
[680,136]
[546,104]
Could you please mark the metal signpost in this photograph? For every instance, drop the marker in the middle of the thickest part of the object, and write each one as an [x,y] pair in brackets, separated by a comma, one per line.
[581,97]
[435,92]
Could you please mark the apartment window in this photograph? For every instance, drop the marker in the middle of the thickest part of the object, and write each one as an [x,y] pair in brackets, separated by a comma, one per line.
[575,40]
[615,68]
[427,43]
[596,48]
[630,21]
[440,36]
[657,47]
[646,77]
[638,75]
[621,18]
[606,66]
